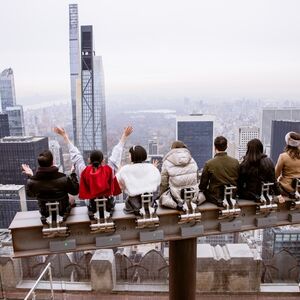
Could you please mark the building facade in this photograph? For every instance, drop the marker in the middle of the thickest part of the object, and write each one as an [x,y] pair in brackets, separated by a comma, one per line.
[12,200]
[152,147]
[74,61]
[197,132]
[246,133]
[56,150]
[7,89]
[281,238]
[279,130]
[4,125]
[275,114]
[15,151]
[92,131]
[16,120]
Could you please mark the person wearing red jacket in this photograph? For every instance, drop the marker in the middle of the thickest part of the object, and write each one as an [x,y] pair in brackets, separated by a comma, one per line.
[97,180]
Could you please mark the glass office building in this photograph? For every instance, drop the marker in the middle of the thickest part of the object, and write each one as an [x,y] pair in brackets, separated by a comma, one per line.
[16,120]
[197,132]
[7,89]
[15,151]
[4,126]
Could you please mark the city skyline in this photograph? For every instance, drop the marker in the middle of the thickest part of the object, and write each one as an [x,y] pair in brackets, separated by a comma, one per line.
[177,48]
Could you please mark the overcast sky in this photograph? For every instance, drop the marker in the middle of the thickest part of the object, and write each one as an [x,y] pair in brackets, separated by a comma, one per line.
[227,48]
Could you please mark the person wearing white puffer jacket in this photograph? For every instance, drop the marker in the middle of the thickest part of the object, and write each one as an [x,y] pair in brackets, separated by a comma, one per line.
[179,171]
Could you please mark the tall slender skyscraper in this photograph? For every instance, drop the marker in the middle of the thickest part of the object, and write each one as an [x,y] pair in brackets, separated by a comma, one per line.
[8,103]
[93,116]
[197,132]
[74,61]
[7,89]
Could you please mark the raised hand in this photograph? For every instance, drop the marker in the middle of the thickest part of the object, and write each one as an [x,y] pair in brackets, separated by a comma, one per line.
[155,163]
[26,170]
[128,130]
[60,131]
[126,133]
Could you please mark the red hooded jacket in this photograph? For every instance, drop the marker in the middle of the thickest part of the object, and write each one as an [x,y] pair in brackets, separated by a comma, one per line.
[95,183]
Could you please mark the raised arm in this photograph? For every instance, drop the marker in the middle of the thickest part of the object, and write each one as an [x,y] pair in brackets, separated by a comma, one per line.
[75,155]
[114,161]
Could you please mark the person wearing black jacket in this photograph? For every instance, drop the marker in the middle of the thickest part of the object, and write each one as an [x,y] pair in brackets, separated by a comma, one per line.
[49,185]
[255,169]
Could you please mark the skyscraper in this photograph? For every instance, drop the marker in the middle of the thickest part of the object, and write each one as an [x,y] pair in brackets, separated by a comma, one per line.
[152,147]
[16,120]
[56,150]
[15,151]
[276,114]
[74,61]
[278,131]
[93,117]
[7,89]
[8,103]
[197,132]
[4,126]
[246,133]
[12,200]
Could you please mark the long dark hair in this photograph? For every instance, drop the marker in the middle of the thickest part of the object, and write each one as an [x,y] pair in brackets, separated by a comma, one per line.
[293,152]
[96,158]
[255,151]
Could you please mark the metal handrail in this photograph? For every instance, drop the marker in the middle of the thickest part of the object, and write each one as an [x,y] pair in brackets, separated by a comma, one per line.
[32,291]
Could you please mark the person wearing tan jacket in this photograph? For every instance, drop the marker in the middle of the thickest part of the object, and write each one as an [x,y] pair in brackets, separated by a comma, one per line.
[179,171]
[287,168]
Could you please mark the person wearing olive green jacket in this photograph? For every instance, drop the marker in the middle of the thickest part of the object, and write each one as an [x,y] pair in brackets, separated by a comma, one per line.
[219,171]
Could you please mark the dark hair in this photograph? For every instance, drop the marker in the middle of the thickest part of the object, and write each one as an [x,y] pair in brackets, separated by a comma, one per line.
[220,143]
[255,151]
[293,152]
[138,154]
[178,144]
[96,158]
[45,159]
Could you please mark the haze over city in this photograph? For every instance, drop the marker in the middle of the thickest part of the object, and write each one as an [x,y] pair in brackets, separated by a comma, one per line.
[209,49]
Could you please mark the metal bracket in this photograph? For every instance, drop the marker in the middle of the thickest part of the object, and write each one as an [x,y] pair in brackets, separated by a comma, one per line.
[231,209]
[267,201]
[295,203]
[149,217]
[192,214]
[102,217]
[54,220]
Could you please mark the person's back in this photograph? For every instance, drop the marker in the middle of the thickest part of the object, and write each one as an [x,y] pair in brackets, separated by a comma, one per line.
[179,171]
[288,165]
[137,178]
[219,171]
[255,169]
[49,185]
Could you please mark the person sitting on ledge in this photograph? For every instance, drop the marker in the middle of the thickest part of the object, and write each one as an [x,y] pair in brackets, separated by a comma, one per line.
[287,168]
[179,171]
[219,171]
[255,169]
[137,178]
[49,185]
[97,179]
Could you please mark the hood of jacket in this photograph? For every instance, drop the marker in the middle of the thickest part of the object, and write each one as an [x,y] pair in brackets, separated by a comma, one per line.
[178,156]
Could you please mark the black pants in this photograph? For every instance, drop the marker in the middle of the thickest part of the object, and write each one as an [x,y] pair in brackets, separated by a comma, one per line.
[64,208]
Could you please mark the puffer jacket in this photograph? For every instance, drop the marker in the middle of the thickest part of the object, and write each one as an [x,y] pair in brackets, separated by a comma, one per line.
[179,170]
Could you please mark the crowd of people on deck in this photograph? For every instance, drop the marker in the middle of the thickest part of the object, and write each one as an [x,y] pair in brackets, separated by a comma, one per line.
[179,171]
